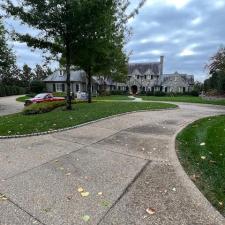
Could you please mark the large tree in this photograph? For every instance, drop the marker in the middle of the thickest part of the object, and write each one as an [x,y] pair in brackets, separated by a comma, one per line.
[7,59]
[56,20]
[102,40]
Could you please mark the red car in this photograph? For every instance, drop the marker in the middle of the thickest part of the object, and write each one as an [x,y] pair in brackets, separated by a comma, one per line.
[45,97]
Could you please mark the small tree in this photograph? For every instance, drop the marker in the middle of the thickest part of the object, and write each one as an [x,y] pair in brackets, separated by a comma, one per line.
[26,76]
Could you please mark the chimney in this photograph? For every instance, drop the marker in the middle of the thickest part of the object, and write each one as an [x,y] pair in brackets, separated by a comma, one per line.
[162,65]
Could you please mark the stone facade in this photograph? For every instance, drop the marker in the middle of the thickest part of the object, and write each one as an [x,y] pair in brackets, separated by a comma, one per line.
[150,77]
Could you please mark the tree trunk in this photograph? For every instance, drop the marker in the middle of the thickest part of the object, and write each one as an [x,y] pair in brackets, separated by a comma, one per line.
[89,86]
[68,83]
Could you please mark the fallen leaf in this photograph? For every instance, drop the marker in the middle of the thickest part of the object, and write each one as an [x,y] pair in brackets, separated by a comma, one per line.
[105,203]
[3,198]
[80,189]
[68,174]
[174,189]
[202,144]
[86,218]
[150,211]
[221,203]
[100,193]
[84,194]
[143,149]
[69,197]
[203,157]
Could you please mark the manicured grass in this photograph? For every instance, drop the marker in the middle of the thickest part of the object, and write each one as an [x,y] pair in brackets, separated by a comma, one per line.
[190,99]
[113,97]
[60,118]
[22,98]
[202,153]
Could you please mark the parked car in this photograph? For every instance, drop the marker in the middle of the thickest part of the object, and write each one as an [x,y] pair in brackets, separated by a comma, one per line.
[44,97]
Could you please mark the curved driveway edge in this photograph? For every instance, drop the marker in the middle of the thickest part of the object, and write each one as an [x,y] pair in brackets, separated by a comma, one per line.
[127,164]
[9,105]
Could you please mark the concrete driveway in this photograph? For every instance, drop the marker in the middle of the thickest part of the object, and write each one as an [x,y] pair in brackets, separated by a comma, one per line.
[126,164]
[9,105]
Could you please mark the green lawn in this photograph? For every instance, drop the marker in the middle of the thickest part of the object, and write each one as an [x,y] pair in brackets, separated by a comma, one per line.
[22,98]
[113,97]
[190,99]
[59,118]
[202,153]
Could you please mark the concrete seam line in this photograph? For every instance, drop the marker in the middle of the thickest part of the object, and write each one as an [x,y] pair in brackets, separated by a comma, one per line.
[126,189]
[80,125]
[18,206]
[186,179]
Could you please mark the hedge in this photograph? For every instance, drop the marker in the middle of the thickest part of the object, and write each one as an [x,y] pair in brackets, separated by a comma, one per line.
[40,108]
[6,90]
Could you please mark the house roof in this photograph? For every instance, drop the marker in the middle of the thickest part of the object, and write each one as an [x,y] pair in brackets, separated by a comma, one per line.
[144,67]
[184,77]
[58,76]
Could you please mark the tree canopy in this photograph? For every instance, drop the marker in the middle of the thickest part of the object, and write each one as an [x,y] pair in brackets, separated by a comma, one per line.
[216,68]
[89,34]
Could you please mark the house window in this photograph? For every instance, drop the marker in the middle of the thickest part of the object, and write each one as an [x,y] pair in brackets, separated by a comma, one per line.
[145,77]
[151,77]
[77,87]
[60,87]
[138,77]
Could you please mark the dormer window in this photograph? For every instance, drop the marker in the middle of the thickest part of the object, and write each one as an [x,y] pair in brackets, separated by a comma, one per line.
[138,77]
[145,77]
[61,73]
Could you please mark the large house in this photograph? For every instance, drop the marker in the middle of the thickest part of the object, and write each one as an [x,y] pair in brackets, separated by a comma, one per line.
[141,77]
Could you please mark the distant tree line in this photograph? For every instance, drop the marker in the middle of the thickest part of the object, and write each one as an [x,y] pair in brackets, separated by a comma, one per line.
[15,80]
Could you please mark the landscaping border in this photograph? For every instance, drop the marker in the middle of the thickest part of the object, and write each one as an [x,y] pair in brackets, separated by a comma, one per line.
[80,125]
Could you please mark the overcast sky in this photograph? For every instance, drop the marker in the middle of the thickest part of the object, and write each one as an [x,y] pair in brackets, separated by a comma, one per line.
[186,32]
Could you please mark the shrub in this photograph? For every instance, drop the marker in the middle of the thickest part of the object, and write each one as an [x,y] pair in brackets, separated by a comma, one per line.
[59,94]
[40,108]
[6,90]
[104,93]
[117,92]
[159,93]
[37,86]
[194,93]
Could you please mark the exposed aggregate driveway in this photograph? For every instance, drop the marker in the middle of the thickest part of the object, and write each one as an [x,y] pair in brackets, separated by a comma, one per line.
[127,164]
[9,105]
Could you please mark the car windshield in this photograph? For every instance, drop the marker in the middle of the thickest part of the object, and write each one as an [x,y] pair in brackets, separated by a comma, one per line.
[40,96]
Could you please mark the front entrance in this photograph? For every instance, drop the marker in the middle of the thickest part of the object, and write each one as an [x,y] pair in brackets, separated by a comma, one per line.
[134,89]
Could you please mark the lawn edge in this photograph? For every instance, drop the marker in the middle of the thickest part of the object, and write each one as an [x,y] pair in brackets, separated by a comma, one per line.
[187,182]
[82,124]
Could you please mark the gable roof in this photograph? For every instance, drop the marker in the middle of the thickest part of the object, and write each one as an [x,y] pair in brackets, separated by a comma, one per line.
[144,67]
[76,76]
